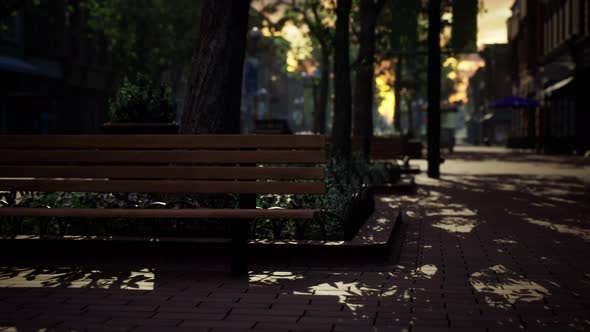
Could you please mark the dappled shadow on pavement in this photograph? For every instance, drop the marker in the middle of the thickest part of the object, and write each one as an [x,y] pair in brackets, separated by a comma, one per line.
[480,252]
[516,243]
[149,299]
[65,277]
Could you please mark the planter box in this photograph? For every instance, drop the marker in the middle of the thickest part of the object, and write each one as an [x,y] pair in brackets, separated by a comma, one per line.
[138,128]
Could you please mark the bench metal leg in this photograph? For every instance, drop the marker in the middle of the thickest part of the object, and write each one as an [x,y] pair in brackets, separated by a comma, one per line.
[239,247]
[240,230]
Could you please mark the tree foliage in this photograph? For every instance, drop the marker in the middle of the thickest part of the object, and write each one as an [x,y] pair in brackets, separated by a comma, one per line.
[317,16]
[401,40]
[144,35]
[464,35]
[10,7]
[142,101]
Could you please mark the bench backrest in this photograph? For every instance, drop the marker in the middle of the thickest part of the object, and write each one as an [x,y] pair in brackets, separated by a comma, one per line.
[390,147]
[163,163]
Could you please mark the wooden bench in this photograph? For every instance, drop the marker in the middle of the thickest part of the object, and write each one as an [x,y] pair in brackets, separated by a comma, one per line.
[169,164]
[272,126]
[388,148]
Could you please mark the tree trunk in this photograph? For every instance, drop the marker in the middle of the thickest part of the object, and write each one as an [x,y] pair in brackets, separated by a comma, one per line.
[212,102]
[410,129]
[397,119]
[434,76]
[415,92]
[342,92]
[321,106]
[363,96]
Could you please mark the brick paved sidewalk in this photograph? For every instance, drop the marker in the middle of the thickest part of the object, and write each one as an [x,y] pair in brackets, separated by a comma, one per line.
[481,253]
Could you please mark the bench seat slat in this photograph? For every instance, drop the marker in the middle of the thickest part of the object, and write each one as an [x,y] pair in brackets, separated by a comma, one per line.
[168,156]
[165,172]
[163,141]
[162,213]
[162,186]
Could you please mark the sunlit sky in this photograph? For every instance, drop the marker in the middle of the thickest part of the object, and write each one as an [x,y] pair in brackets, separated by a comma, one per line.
[492,22]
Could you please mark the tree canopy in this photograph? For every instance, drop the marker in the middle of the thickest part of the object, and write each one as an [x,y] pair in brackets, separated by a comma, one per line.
[144,36]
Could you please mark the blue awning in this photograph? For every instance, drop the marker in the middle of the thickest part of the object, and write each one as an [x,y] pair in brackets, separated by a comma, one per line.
[9,63]
[37,67]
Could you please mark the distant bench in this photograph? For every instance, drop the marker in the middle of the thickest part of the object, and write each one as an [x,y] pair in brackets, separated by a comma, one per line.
[388,148]
[168,164]
[272,126]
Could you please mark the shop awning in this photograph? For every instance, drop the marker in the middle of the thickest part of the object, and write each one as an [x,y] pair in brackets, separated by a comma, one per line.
[37,67]
[8,63]
[559,85]
[487,117]
[502,116]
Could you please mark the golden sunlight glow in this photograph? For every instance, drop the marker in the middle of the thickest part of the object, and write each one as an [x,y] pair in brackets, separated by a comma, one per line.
[450,62]
[266,32]
[300,46]
[142,279]
[465,67]
[491,29]
[387,106]
[471,64]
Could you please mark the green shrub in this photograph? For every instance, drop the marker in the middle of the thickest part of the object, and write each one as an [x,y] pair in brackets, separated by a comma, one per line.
[345,182]
[143,101]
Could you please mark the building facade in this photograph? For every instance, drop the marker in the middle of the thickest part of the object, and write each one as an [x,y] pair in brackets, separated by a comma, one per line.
[489,84]
[565,57]
[549,42]
[475,107]
[55,77]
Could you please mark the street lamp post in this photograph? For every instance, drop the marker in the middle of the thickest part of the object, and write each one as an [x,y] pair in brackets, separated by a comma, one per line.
[434,76]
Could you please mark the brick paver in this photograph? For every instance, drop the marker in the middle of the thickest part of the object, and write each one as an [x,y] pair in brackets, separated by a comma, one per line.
[489,247]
